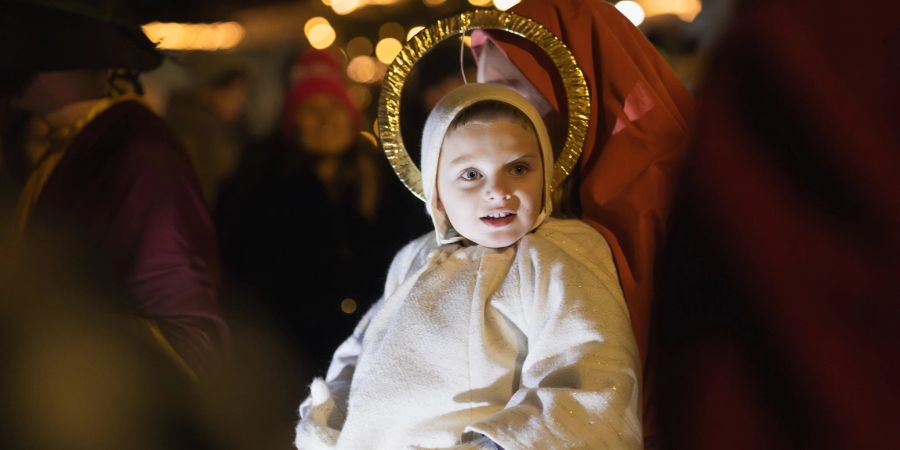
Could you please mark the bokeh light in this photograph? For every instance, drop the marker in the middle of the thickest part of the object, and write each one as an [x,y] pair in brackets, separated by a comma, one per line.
[311,23]
[344,7]
[359,46]
[321,36]
[348,306]
[194,36]
[503,5]
[480,2]
[685,9]
[387,49]
[633,11]
[365,69]
[433,3]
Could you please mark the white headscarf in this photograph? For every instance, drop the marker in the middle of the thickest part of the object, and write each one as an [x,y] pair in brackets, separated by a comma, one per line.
[436,129]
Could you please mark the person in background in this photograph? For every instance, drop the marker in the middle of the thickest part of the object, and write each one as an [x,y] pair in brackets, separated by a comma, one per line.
[112,185]
[313,216]
[208,123]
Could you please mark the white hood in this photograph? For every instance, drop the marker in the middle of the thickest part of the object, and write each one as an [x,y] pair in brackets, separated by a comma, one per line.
[433,137]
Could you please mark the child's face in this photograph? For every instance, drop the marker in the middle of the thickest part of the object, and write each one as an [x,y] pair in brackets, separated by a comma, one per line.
[491,181]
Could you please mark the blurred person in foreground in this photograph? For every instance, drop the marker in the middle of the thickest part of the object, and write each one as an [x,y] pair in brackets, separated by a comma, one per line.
[112,185]
[777,326]
[79,374]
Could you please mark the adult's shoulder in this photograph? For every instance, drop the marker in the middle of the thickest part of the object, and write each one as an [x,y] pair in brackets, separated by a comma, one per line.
[135,136]
[132,118]
[134,127]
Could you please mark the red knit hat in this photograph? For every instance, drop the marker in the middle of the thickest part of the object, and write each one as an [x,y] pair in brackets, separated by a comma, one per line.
[316,72]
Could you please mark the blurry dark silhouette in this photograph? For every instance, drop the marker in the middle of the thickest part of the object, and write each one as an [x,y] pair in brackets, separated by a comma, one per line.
[107,173]
[777,321]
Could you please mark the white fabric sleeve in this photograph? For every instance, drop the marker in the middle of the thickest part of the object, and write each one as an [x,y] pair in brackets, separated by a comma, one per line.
[322,414]
[579,381]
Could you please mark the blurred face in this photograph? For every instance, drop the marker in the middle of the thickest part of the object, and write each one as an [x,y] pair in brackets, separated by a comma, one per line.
[230,101]
[491,181]
[324,126]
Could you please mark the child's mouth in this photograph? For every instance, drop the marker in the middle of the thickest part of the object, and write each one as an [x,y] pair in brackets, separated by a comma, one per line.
[499,219]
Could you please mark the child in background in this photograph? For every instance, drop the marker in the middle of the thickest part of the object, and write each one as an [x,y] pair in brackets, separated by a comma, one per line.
[503,328]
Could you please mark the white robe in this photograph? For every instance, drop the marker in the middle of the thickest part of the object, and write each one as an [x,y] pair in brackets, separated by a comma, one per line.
[528,347]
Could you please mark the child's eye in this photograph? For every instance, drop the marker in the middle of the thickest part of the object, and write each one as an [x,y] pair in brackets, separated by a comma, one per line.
[470,175]
[519,169]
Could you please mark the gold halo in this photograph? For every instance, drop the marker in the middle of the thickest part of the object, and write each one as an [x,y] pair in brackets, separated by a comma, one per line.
[577,95]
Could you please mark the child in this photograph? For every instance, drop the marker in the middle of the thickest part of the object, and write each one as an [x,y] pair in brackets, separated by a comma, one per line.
[501,329]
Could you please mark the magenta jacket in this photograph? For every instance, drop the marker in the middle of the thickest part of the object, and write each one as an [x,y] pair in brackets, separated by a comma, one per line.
[126,193]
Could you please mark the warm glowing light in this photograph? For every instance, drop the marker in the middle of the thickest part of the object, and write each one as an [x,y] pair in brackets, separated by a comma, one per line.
[387,49]
[311,23]
[480,2]
[165,35]
[685,9]
[632,11]
[391,30]
[433,3]
[326,2]
[321,36]
[503,5]
[348,306]
[232,34]
[195,36]
[365,69]
[359,46]
[344,7]
[413,31]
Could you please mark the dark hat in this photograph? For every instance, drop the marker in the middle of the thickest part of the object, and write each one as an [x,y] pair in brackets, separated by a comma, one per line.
[49,35]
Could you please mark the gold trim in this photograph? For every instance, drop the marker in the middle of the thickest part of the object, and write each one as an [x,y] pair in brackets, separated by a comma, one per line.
[577,94]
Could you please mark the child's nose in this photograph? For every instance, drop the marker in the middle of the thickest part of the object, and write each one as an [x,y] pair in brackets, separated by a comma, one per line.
[498,190]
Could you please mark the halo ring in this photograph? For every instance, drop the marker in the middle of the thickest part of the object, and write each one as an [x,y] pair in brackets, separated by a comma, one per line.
[577,94]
